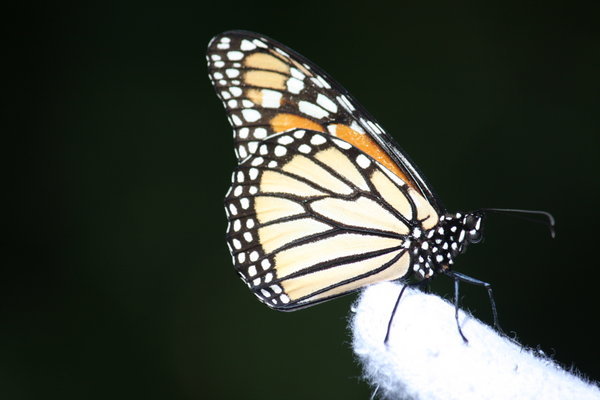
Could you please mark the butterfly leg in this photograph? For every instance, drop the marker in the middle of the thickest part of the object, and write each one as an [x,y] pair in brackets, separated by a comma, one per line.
[389,327]
[456,286]
[458,277]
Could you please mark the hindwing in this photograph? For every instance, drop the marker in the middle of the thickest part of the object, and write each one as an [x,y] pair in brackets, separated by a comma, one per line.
[313,217]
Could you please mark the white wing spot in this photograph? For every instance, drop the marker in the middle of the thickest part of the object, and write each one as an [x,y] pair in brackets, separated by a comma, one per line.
[280,151]
[251,115]
[294,85]
[357,127]
[242,152]
[299,134]
[233,209]
[304,148]
[248,236]
[245,203]
[317,140]
[243,132]
[237,225]
[237,244]
[260,43]
[235,55]
[311,109]
[232,73]
[342,144]
[297,74]
[257,161]
[247,45]
[271,98]
[272,164]
[363,161]
[238,190]
[253,173]
[265,264]
[241,257]
[276,289]
[236,120]
[235,91]
[240,176]
[285,140]
[323,82]
[250,223]
[254,256]
[252,269]
[252,147]
[326,103]
[317,82]
[260,133]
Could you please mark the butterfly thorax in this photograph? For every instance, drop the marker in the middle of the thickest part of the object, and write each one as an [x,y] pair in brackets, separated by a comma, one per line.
[435,249]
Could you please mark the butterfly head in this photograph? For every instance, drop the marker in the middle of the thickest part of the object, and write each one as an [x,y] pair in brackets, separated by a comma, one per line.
[472,225]
[462,229]
[437,248]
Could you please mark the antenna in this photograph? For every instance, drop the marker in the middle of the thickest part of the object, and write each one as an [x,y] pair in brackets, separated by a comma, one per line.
[550,222]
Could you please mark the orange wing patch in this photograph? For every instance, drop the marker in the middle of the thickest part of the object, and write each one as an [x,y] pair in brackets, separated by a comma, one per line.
[283,122]
[266,61]
[265,79]
[368,145]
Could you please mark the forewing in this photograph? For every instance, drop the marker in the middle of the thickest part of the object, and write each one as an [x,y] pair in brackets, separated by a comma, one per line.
[267,88]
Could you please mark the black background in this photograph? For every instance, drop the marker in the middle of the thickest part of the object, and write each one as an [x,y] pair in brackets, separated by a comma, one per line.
[116,279]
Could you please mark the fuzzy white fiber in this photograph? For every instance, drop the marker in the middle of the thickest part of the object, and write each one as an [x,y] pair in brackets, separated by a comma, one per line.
[425,357]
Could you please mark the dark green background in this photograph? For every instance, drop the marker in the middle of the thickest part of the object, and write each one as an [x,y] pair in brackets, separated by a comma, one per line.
[116,279]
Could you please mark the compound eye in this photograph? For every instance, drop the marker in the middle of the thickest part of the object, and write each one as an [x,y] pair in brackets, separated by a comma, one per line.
[470,222]
[475,236]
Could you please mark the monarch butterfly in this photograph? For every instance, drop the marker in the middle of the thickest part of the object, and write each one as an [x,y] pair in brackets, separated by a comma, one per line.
[323,201]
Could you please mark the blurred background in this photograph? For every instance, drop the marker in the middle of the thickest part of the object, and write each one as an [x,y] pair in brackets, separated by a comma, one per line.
[117,282]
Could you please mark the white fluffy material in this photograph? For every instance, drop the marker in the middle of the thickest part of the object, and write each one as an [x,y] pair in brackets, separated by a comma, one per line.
[426,358]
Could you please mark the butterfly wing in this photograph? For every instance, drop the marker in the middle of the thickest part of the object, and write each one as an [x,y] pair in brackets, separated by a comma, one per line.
[312,217]
[267,88]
